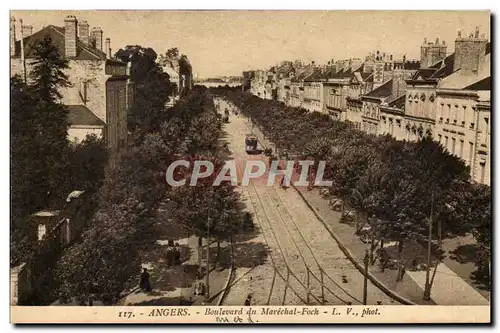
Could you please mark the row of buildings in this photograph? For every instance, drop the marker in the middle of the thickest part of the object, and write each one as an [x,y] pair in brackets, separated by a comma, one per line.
[443,95]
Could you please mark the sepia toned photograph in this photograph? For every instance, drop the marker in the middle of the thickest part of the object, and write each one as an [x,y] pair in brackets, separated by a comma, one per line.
[250,166]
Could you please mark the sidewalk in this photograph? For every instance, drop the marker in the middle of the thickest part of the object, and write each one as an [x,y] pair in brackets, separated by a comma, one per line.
[448,288]
[174,285]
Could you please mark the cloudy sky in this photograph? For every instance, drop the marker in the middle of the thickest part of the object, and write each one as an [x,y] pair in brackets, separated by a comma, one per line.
[228,42]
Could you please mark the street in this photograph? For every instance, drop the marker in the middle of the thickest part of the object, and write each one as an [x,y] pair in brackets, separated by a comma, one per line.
[305,265]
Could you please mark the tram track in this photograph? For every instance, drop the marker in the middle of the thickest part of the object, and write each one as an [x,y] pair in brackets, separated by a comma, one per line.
[284,254]
[341,293]
[323,274]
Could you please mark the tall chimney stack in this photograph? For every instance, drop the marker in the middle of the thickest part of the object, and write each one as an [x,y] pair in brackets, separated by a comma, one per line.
[12,36]
[70,35]
[27,30]
[83,32]
[97,37]
[108,47]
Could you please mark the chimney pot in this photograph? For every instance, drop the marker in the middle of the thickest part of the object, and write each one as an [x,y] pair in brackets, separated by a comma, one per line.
[97,38]
[108,47]
[27,30]
[83,32]
[12,36]
[459,35]
[70,36]
[476,35]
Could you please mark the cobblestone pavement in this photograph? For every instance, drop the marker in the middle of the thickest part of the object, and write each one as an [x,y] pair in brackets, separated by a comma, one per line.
[299,246]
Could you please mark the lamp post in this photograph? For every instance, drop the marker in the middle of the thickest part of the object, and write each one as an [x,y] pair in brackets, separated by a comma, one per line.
[366,260]
[207,277]
[427,289]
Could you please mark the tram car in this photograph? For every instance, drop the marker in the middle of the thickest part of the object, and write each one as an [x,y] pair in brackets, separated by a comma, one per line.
[251,144]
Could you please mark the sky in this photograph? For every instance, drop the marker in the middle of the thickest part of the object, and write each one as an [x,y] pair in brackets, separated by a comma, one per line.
[222,43]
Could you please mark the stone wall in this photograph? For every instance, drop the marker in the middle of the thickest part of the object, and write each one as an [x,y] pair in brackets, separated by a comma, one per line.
[77,134]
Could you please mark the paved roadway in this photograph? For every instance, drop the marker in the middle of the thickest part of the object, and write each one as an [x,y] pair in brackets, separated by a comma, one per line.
[304,263]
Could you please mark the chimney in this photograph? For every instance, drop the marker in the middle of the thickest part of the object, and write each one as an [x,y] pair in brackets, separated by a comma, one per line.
[425,40]
[27,30]
[97,38]
[12,37]
[70,35]
[83,32]
[470,52]
[108,48]
[437,41]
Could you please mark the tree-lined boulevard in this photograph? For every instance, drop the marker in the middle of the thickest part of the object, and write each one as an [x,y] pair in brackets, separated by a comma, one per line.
[195,242]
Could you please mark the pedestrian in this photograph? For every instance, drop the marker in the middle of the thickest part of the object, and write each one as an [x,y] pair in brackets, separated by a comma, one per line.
[177,254]
[144,283]
[248,301]
[201,288]
[169,256]
[403,271]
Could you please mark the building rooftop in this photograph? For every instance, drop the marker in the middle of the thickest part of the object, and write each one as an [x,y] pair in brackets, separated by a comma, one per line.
[385,90]
[83,51]
[443,67]
[80,115]
[461,79]
[397,102]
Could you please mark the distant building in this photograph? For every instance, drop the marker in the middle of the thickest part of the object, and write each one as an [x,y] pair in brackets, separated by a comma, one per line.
[101,92]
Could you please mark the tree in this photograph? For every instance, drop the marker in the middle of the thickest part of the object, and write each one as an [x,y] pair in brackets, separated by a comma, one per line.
[89,159]
[48,76]
[48,71]
[172,53]
[152,89]
[40,149]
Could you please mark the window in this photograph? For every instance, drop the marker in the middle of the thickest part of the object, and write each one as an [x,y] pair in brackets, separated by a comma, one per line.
[486,121]
[446,142]
[461,151]
[439,138]
[453,140]
[482,166]
[471,153]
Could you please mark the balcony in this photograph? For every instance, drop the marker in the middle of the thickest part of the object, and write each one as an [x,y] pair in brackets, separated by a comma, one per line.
[447,120]
[471,126]
[440,119]
[463,123]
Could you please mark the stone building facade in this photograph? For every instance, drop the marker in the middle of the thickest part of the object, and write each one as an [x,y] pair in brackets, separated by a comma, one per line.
[99,84]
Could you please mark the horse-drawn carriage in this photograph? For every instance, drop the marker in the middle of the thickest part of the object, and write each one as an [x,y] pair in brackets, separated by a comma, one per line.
[251,143]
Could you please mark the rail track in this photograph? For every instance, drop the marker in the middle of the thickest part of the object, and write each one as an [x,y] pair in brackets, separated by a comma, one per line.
[311,270]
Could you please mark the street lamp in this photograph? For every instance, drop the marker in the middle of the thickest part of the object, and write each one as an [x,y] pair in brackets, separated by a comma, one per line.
[427,289]
[366,260]
[207,277]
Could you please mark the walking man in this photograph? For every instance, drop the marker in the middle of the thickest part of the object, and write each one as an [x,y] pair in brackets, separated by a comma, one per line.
[248,301]
[144,283]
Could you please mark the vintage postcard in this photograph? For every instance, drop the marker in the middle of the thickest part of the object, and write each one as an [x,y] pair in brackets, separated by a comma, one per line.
[250,166]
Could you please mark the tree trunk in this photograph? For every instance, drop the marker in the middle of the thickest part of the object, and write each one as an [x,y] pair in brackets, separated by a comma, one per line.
[200,250]
[218,252]
[400,248]
[342,207]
